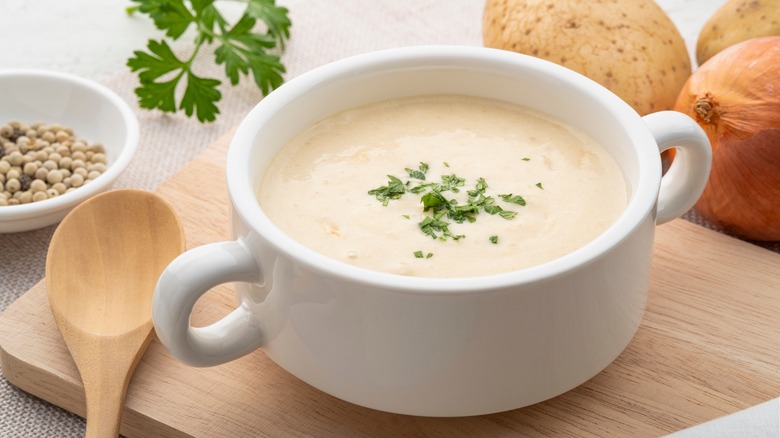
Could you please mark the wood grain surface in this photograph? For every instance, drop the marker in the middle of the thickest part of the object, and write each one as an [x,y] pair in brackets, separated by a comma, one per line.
[709,345]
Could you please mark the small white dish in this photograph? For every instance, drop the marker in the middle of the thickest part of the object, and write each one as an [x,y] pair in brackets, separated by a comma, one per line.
[94,112]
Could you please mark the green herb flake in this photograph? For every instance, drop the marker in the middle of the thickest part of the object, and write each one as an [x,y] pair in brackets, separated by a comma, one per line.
[406,216]
[539,184]
[418,174]
[451,183]
[506,214]
[526,159]
[393,190]
[494,239]
[433,200]
[513,199]
[420,255]
[492,209]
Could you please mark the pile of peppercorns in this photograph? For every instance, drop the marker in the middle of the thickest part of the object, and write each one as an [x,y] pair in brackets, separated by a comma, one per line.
[41,161]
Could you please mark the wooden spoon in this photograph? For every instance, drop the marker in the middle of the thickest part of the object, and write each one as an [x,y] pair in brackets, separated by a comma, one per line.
[101,270]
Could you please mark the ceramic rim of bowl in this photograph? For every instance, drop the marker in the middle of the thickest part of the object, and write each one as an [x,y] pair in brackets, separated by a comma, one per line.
[241,186]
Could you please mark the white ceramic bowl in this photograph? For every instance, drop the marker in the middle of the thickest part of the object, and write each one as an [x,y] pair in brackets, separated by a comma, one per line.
[434,346]
[94,112]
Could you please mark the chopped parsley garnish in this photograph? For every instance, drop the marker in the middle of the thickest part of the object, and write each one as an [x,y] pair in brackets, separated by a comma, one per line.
[393,190]
[539,184]
[420,255]
[526,159]
[513,199]
[418,174]
[443,211]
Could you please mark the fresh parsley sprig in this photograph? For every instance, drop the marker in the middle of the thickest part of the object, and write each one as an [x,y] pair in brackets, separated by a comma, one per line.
[241,49]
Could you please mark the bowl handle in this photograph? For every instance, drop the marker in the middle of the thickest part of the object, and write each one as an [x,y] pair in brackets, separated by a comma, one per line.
[685,180]
[183,282]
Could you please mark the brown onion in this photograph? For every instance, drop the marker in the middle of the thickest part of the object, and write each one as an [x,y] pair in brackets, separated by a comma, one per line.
[735,97]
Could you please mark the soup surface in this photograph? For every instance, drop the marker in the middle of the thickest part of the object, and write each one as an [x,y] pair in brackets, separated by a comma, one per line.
[443,186]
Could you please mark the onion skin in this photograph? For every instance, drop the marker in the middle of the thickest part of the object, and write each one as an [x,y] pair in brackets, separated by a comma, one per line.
[735,98]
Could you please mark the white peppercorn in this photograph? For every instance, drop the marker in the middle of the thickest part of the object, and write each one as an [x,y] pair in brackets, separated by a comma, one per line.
[26,197]
[76,180]
[61,136]
[38,186]
[66,162]
[22,141]
[15,158]
[39,196]
[99,157]
[39,161]
[54,176]
[30,168]
[50,164]
[13,185]
[41,173]
[13,173]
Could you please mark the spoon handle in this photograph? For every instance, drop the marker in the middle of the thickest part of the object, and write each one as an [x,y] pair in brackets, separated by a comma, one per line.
[106,373]
[105,403]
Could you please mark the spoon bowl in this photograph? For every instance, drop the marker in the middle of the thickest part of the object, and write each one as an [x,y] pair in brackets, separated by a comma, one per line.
[103,263]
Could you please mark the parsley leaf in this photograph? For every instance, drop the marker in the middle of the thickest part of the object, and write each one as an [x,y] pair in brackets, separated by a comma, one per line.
[418,174]
[513,199]
[275,17]
[200,95]
[240,48]
[393,190]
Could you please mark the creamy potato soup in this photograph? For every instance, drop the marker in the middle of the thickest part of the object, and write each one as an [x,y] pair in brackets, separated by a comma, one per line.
[443,186]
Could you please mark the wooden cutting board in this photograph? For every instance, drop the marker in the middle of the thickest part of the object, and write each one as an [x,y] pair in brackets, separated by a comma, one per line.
[709,345]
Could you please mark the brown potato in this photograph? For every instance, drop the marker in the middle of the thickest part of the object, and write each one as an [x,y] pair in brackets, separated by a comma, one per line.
[737,21]
[630,47]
